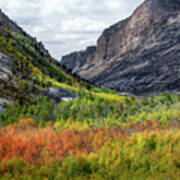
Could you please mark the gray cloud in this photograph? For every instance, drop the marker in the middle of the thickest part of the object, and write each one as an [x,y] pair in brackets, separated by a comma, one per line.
[66,26]
[34,21]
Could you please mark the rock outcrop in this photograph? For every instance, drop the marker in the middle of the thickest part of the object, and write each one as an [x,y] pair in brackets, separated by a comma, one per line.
[2,104]
[57,94]
[5,66]
[74,61]
[141,54]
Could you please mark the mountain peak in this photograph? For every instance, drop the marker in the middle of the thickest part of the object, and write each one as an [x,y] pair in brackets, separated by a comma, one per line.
[175,4]
[163,7]
[157,8]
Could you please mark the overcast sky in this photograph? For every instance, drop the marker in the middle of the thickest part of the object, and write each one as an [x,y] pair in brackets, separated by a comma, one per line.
[65,26]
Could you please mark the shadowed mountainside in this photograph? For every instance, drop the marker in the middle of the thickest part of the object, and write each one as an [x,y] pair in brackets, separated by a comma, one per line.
[140,54]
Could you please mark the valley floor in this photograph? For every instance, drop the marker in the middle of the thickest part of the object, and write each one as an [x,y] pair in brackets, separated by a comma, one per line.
[91,138]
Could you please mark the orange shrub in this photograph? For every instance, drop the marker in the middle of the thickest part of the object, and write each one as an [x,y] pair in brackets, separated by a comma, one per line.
[39,145]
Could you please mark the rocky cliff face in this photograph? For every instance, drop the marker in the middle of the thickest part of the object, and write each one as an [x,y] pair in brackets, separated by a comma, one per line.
[140,54]
[74,61]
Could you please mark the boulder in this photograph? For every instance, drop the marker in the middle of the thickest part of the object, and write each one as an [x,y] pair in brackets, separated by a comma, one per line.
[2,103]
[58,93]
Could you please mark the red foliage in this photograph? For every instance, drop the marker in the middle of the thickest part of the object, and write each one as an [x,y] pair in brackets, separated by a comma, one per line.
[37,146]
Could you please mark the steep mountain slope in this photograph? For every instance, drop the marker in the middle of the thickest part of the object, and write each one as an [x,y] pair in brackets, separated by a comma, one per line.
[140,54]
[27,69]
[9,24]
[28,72]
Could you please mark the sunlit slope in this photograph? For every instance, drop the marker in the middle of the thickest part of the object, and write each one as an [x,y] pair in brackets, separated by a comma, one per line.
[32,66]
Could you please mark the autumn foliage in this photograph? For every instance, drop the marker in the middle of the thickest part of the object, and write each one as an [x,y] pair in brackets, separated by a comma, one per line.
[104,149]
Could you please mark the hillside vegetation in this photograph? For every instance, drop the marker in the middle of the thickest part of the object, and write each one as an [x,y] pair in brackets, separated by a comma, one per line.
[98,135]
[92,138]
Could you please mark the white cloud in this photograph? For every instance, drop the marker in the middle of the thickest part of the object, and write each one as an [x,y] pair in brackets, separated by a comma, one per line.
[67,25]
